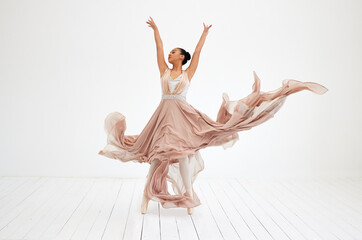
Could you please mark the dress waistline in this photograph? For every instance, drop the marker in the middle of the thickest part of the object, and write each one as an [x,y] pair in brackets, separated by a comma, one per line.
[174,96]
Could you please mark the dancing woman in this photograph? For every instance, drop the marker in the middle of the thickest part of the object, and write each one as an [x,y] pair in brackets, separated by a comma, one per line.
[171,140]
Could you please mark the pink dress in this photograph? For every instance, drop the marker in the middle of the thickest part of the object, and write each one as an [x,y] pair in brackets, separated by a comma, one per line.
[177,129]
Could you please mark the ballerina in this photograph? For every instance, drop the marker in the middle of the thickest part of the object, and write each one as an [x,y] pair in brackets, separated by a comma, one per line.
[171,140]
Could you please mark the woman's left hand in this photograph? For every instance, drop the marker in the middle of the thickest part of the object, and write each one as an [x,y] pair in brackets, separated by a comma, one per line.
[206,28]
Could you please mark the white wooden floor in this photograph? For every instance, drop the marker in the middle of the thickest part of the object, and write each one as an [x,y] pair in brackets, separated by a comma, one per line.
[96,208]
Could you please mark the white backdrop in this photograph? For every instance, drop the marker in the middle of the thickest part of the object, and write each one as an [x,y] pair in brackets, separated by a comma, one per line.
[66,64]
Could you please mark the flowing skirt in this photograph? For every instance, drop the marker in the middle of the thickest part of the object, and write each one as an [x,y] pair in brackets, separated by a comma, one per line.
[177,129]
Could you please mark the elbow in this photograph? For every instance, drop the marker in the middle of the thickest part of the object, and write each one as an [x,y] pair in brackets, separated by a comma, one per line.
[197,50]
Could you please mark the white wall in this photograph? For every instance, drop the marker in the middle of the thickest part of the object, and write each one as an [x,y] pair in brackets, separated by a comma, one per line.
[66,64]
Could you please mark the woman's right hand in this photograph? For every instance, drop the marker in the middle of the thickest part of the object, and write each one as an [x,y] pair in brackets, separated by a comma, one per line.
[152,24]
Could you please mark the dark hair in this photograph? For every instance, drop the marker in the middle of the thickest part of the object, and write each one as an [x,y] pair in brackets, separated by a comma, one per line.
[186,54]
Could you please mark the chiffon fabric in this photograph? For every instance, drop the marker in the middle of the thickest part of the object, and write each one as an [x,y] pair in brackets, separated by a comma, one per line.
[177,129]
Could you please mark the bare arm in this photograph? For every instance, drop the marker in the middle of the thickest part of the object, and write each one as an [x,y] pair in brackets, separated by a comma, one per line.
[196,55]
[162,66]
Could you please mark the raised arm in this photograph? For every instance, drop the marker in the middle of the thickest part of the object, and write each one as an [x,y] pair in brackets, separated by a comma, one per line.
[196,55]
[162,66]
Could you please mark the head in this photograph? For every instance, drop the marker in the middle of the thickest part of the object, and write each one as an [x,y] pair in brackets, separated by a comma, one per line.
[178,55]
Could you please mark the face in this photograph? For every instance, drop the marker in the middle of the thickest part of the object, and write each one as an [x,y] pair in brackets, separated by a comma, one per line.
[175,55]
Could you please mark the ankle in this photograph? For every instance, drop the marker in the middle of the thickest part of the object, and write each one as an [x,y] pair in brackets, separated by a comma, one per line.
[189,193]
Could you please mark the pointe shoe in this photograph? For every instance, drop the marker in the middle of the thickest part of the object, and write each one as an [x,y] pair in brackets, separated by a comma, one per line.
[144,205]
[189,210]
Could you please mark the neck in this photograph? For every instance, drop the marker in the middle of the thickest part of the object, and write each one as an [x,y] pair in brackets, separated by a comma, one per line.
[177,67]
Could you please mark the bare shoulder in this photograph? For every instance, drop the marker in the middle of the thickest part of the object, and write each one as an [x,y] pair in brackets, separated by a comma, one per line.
[163,70]
[190,74]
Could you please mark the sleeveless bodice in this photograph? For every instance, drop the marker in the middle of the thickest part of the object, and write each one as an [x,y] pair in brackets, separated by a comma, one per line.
[173,83]
[174,88]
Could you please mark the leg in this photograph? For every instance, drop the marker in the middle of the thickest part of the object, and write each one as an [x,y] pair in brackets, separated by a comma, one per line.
[186,178]
[153,166]
[145,200]
[185,174]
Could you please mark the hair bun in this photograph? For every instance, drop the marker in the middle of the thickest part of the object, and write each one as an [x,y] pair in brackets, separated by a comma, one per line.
[188,56]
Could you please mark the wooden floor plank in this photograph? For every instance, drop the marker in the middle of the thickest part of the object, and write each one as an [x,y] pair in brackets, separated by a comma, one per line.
[313,199]
[243,209]
[202,217]
[118,219]
[151,225]
[71,224]
[218,187]
[92,210]
[346,192]
[39,207]
[56,207]
[348,221]
[11,184]
[290,231]
[72,202]
[100,225]
[185,225]
[298,228]
[168,222]
[20,194]
[134,223]
[266,220]
[225,225]
[22,201]
[306,210]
